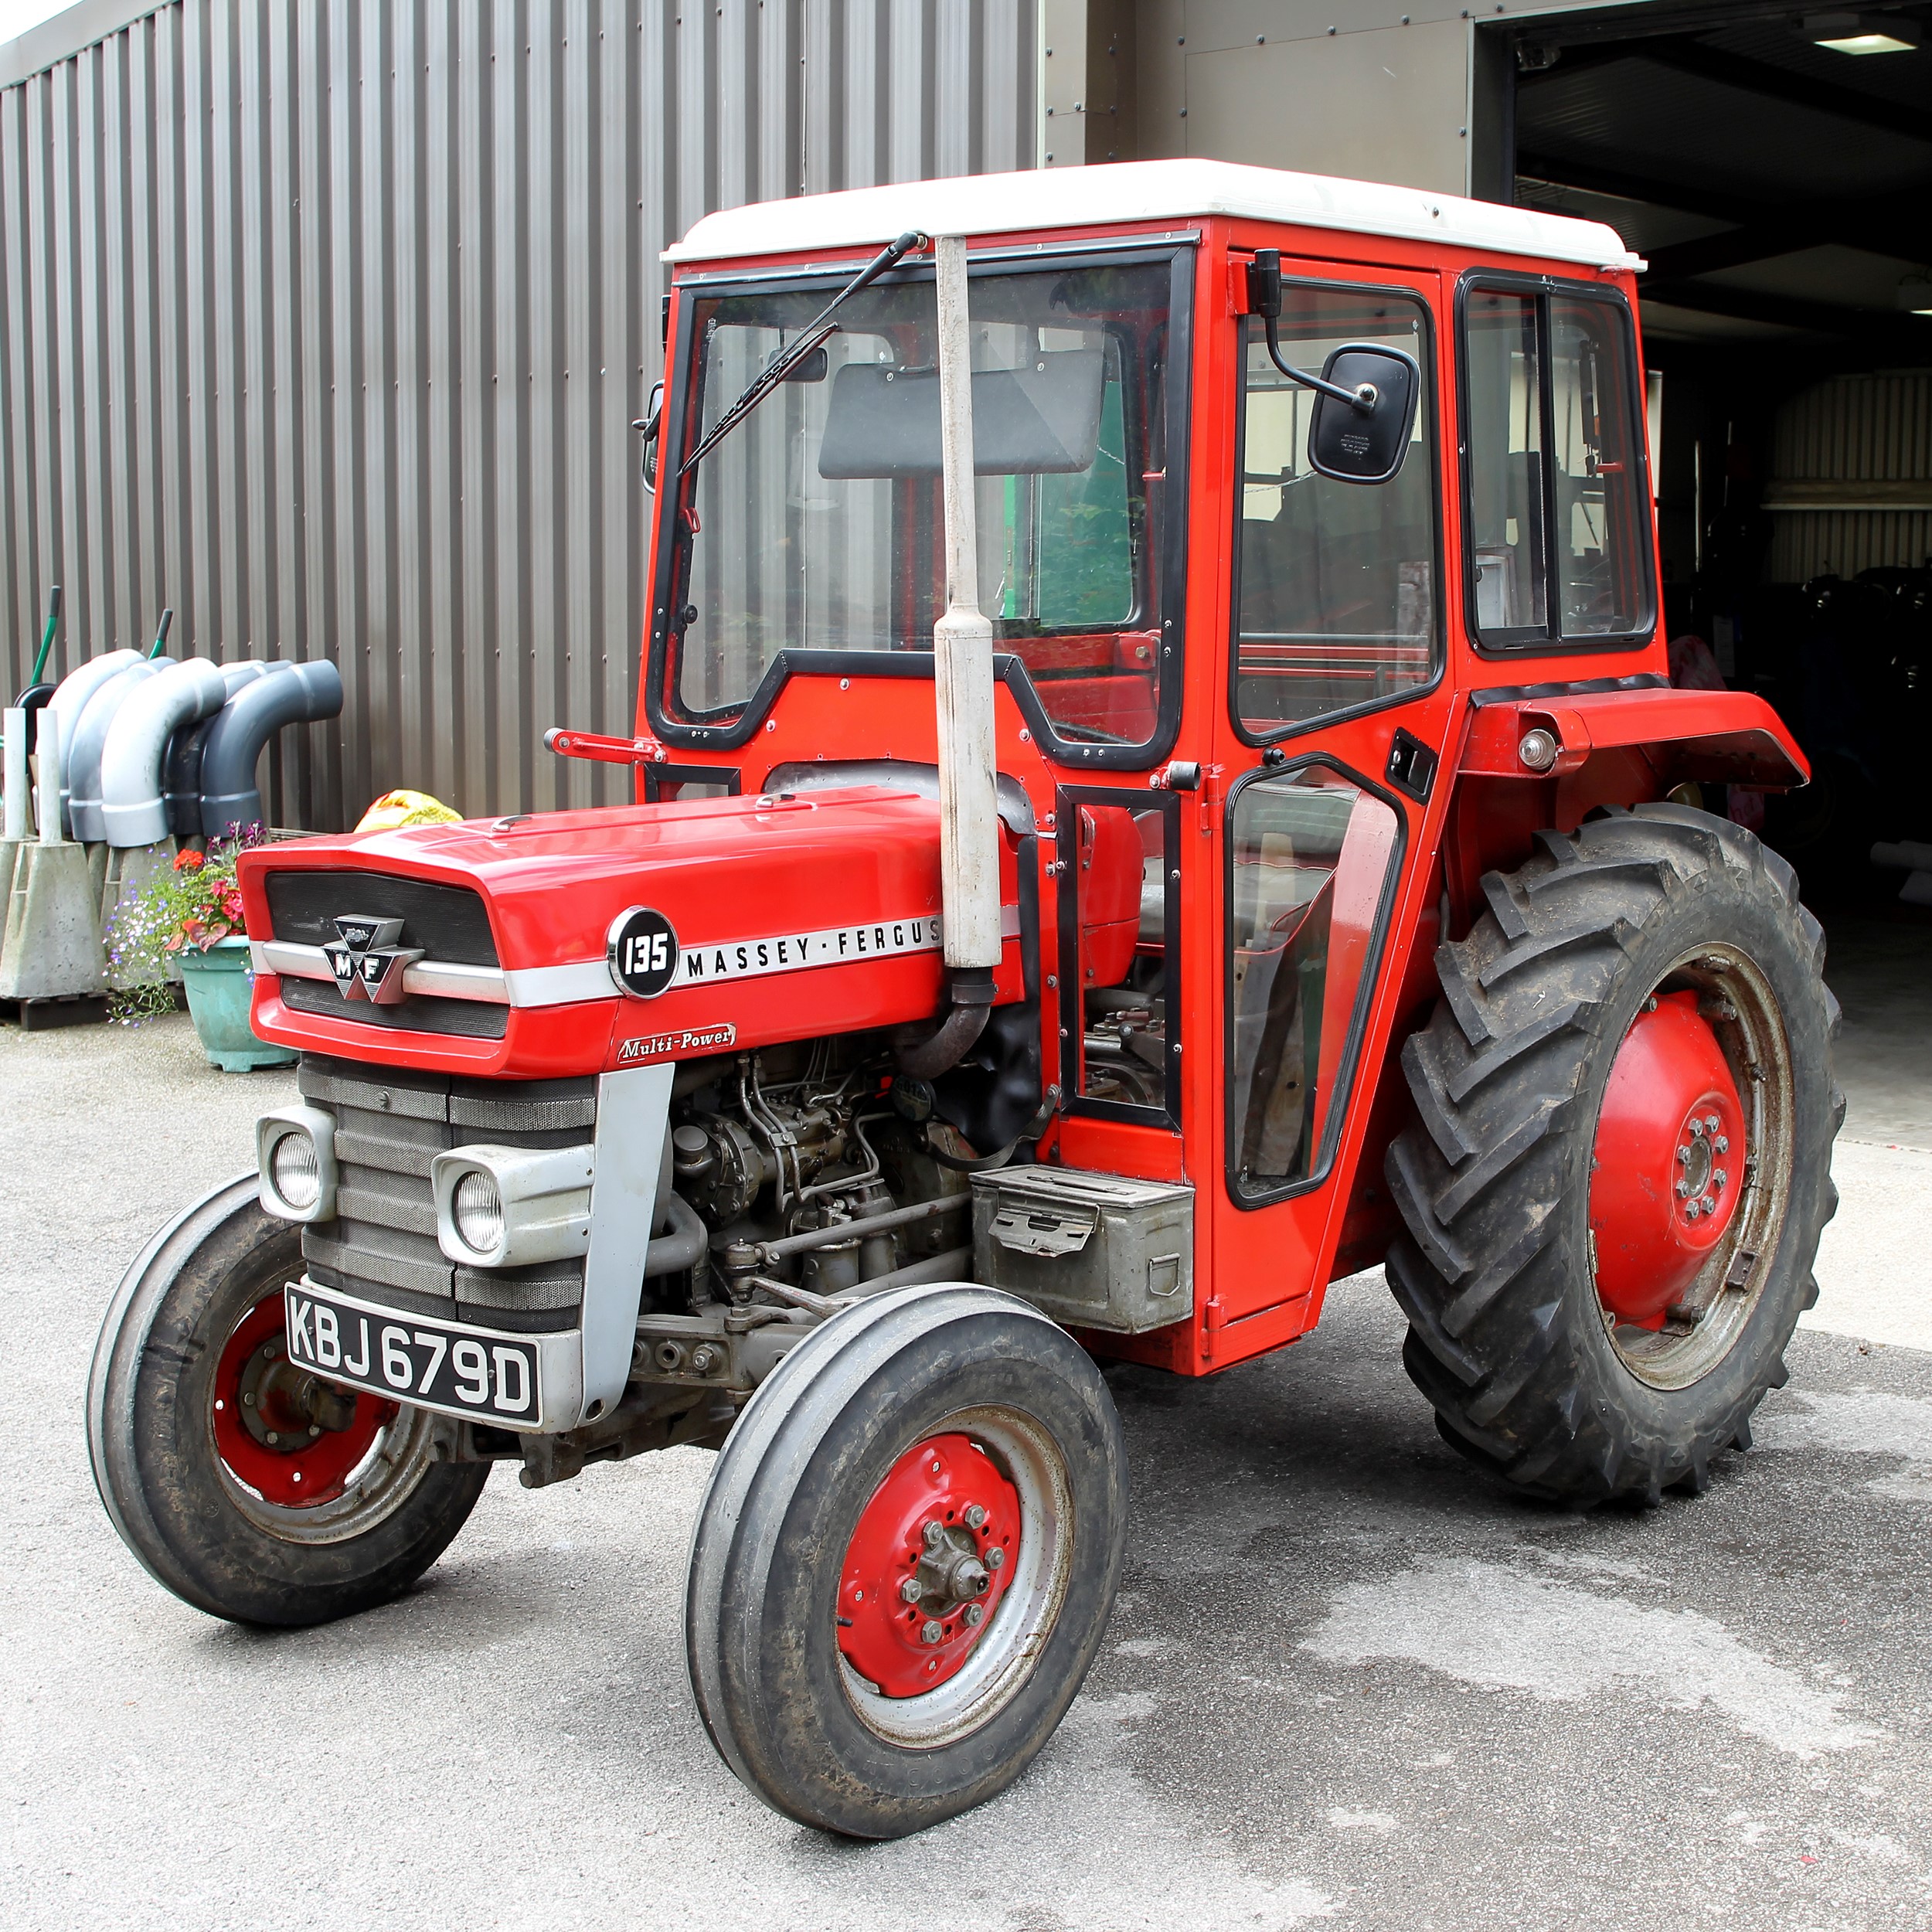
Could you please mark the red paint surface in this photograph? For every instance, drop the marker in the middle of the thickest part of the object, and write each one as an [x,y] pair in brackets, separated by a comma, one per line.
[314,1470]
[1669,1070]
[879,1631]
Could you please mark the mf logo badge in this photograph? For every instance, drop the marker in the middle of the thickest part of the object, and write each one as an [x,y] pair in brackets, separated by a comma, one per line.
[366,960]
[642,949]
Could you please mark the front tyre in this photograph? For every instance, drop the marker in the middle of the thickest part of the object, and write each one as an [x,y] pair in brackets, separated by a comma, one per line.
[905,1560]
[250,1488]
[1620,1162]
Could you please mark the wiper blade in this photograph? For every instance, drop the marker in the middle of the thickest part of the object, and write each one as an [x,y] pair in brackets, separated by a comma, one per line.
[816,336]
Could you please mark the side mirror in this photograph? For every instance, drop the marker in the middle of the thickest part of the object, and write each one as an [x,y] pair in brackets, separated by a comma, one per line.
[1365,439]
[648,426]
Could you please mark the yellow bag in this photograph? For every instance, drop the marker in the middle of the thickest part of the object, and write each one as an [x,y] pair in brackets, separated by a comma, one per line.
[394,810]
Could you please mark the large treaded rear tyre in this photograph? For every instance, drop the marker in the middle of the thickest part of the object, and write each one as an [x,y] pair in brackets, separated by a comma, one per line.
[1530,1374]
[160,1401]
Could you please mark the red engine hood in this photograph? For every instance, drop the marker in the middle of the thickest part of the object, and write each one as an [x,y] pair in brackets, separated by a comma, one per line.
[794,917]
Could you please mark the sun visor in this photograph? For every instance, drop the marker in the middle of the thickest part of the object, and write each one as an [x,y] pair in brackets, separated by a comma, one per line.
[1041,418]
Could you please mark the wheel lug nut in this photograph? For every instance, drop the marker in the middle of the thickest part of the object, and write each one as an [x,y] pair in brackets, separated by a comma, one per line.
[1719,1177]
[930,1632]
[1683,1188]
[909,1589]
[1722,1144]
[1710,1206]
[1710,1122]
[250,1400]
[995,1557]
[1683,1154]
[273,1438]
[975,1515]
[315,1429]
[1692,1210]
[933,1532]
[974,1614]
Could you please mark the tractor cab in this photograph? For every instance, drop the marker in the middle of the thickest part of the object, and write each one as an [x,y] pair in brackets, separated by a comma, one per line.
[1157,787]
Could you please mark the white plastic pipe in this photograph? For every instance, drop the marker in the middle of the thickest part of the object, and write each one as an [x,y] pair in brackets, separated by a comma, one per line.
[16,776]
[70,699]
[963,654]
[52,740]
[131,810]
[82,745]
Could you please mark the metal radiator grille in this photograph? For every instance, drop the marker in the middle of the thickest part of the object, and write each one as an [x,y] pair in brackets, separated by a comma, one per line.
[390,1123]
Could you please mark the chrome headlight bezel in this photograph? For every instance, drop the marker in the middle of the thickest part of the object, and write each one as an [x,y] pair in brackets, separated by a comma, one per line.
[545,1193]
[317,1127]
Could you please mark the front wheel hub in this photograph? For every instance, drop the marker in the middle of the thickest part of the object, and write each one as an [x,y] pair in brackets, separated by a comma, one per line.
[930,1558]
[1668,1164]
[291,1437]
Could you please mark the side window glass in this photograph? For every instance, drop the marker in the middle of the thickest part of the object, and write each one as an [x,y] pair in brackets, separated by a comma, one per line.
[1505,462]
[1310,855]
[1600,547]
[1117,862]
[1336,598]
[1558,519]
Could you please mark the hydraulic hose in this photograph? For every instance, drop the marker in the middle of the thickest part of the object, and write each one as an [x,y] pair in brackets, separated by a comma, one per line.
[972,997]
[90,740]
[290,694]
[131,810]
[181,777]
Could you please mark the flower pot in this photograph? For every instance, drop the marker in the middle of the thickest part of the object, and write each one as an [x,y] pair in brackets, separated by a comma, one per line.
[220,987]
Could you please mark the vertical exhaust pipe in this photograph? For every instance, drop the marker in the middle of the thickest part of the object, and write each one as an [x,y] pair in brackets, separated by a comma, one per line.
[963,691]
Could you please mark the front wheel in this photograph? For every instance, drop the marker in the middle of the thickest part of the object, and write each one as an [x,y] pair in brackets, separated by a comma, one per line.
[249,1486]
[1620,1162]
[905,1560]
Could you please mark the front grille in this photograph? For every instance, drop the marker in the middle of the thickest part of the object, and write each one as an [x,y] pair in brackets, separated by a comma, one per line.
[450,922]
[418,1013]
[390,1123]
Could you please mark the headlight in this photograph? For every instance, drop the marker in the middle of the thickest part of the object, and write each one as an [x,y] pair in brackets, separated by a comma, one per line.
[296,1171]
[477,1212]
[295,1163]
[508,1207]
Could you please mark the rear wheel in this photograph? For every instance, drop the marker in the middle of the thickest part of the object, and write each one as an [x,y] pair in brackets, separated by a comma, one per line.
[905,1560]
[1615,1185]
[250,1487]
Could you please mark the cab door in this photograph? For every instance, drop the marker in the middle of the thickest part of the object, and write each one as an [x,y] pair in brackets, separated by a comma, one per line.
[1332,728]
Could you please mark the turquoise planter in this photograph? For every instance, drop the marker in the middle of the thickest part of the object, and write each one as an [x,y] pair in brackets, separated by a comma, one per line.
[219,989]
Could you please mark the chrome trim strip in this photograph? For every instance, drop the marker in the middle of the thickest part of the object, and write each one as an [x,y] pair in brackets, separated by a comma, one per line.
[522,986]
[439,979]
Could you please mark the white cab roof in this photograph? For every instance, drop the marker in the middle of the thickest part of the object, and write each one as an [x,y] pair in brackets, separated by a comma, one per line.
[1136,191]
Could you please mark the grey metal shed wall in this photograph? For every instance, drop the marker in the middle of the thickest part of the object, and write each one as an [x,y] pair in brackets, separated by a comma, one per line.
[324,322]
[1852,482]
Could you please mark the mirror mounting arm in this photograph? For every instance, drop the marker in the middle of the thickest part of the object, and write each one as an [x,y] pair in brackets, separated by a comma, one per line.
[1264,300]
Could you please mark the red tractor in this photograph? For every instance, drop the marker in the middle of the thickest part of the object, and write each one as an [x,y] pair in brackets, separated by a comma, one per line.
[1157,788]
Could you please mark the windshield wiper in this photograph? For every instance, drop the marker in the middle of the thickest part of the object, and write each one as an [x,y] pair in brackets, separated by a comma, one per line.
[819,331]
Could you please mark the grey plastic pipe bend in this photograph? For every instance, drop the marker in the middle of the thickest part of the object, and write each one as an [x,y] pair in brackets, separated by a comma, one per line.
[90,740]
[70,699]
[181,776]
[290,694]
[131,810]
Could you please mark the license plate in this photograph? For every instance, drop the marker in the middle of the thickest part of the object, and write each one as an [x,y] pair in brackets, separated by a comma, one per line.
[435,1364]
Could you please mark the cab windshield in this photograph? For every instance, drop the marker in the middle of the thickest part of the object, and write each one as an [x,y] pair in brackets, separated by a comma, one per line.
[816,524]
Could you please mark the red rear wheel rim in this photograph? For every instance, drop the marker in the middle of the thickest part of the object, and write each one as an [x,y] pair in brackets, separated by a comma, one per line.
[1669,1165]
[292,1438]
[931,1556]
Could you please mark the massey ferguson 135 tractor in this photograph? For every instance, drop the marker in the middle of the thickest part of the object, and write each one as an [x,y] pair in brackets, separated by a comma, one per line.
[1156,788]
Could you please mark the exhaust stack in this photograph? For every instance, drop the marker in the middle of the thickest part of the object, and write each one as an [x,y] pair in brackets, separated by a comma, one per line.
[963,689]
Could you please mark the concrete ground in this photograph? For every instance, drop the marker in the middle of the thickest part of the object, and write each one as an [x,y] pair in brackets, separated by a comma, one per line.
[1347,1678]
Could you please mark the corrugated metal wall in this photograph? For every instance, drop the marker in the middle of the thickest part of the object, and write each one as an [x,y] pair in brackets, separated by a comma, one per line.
[1866,433]
[324,322]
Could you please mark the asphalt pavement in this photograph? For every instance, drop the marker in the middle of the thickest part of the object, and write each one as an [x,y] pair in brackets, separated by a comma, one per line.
[1347,1678]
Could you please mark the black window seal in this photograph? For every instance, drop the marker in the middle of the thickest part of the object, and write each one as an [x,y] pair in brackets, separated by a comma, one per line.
[1349,1065]
[1067,800]
[657,777]
[1438,643]
[1550,642]
[730,732]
